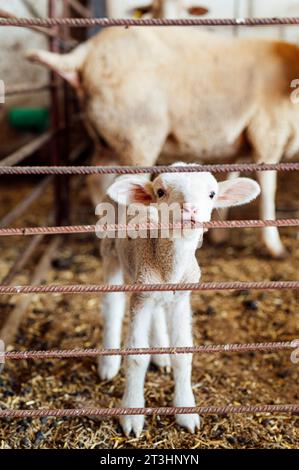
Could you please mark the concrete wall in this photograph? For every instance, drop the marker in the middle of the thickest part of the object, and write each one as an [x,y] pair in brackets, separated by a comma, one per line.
[14,69]
[14,42]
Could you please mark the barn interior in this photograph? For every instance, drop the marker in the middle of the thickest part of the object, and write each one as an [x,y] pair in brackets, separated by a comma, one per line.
[42,123]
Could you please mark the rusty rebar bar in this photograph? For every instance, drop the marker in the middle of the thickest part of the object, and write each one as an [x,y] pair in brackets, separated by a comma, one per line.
[107,22]
[156,170]
[111,228]
[163,411]
[202,349]
[56,143]
[100,288]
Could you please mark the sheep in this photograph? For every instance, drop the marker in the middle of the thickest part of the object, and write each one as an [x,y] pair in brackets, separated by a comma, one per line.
[159,319]
[187,95]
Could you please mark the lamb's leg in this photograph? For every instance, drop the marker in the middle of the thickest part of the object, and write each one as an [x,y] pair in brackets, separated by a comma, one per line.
[141,310]
[160,338]
[268,181]
[180,328]
[113,309]
[220,235]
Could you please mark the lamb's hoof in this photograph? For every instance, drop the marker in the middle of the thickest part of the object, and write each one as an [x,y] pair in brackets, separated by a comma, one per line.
[280,254]
[108,367]
[131,424]
[162,361]
[189,422]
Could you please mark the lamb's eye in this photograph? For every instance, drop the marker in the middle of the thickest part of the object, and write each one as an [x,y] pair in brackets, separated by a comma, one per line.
[212,194]
[160,193]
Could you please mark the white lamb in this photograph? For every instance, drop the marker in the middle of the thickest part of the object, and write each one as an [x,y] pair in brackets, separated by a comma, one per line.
[160,319]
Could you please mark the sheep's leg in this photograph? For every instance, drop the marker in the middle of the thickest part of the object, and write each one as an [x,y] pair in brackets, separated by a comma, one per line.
[220,235]
[268,181]
[98,184]
[141,310]
[113,309]
[180,328]
[160,338]
[97,187]
[269,141]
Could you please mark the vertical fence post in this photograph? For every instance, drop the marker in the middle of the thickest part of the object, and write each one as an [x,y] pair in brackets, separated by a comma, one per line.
[59,151]
[66,33]
[99,10]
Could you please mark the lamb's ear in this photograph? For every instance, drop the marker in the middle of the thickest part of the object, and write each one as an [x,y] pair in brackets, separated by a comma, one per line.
[131,189]
[68,66]
[236,192]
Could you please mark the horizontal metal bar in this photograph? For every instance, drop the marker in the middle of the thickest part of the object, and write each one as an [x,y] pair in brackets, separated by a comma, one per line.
[162,411]
[100,288]
[203,349]
[106,22]
[75,229]
[125,170]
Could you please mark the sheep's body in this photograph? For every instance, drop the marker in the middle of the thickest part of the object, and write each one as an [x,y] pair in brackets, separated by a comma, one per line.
[191,94]
[179,91]
[159,319]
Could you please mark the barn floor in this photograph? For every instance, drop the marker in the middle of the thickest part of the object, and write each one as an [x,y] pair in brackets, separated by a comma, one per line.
[73,321]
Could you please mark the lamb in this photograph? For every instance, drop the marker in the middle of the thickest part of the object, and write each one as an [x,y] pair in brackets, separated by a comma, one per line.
[187,95]
[160,319]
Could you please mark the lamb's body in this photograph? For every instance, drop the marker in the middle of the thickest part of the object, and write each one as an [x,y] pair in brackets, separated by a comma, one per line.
[156,319]
[159,319]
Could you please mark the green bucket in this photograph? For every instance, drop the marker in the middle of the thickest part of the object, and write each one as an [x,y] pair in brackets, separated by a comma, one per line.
[29,119]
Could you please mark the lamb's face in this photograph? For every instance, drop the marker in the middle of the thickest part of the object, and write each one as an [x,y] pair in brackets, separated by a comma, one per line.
[183,196]
[194,193]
